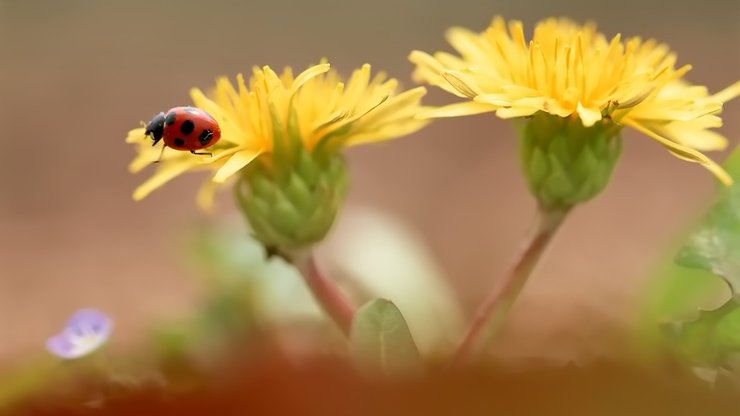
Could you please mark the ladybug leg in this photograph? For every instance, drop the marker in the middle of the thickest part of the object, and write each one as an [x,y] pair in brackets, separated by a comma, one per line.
[160,155]
[201,153]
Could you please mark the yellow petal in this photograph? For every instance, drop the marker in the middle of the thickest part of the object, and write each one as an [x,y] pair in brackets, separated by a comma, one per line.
[696,138]
[669,111]
[357,85]
[727,94]
[637,96]
[307,75]
[141,161]
[220,154]
[386,132]
[206,195]
[427,61]
[234,164]
[395,107]
[429,69]
[164,174]
[589,116]
[498,100]
[457,81]
[467,43]
[459,109]
[136,135]
[684,152]
[149,155]
[514,112]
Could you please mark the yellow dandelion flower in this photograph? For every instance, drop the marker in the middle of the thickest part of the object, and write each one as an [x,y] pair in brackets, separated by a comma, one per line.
[567,70]
[275,116]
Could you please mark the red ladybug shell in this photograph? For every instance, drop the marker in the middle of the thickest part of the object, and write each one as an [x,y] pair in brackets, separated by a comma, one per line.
[190,128]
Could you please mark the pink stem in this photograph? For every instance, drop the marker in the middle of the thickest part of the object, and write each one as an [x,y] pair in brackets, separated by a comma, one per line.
[492,313]
[331,299]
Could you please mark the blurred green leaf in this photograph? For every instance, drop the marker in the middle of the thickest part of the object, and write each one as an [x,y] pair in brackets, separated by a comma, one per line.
[707,264]
[680,290]
[242,278]
[710,338]
[225,254]
[715,247]
[380,338]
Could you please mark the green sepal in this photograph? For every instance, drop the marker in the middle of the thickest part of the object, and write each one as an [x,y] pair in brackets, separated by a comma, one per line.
[564,162]
[294,205]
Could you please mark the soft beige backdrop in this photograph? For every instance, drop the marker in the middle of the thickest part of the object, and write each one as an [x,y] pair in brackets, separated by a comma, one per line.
[76,75]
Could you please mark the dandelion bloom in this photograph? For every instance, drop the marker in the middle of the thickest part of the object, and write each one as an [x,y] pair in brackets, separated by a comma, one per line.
[270,115]
[86,331]
[568,70]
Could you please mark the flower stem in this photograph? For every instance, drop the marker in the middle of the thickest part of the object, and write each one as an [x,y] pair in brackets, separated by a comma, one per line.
[331,299]
[492,313]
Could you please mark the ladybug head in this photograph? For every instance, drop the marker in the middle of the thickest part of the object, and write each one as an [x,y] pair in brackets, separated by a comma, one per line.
[155,128]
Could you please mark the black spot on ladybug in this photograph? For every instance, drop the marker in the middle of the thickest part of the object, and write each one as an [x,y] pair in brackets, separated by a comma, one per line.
[179,142]
[205,137]
[187,127]
[170,118]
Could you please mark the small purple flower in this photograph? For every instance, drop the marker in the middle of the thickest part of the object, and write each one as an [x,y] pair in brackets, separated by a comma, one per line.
[84,333]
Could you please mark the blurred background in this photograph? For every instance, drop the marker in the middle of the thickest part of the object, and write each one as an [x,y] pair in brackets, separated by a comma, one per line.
[75,76]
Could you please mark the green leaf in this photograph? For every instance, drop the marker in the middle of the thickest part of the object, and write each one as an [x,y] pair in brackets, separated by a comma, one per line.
[380,338]
[715,247]
[712,337]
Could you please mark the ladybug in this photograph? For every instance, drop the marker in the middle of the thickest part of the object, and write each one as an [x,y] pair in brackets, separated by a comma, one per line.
[184,128]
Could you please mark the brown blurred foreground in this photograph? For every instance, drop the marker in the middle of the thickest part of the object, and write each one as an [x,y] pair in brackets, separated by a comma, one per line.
[272,383]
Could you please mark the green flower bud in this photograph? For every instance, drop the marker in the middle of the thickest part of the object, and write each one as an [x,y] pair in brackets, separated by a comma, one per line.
[292,205]
[564,162]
